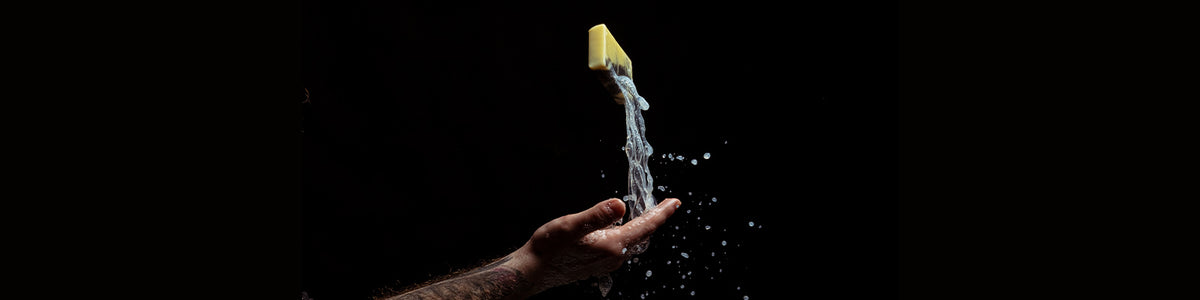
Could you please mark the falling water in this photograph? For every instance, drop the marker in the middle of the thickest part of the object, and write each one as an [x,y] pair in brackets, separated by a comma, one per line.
[637,152]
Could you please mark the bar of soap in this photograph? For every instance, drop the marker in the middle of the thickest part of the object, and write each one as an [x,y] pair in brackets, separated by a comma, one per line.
[606,57]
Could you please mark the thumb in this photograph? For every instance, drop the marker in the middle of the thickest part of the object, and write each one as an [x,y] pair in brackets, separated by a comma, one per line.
[599,216]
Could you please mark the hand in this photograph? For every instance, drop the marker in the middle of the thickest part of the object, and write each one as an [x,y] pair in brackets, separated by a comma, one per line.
[585,244]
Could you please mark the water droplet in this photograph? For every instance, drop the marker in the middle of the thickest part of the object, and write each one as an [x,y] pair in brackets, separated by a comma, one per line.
[684,254]
[714,199]
[706,155]
[693,293]
[623,250]
[722,243]
[693,161]
[648,272]
[706,227]
[751,223]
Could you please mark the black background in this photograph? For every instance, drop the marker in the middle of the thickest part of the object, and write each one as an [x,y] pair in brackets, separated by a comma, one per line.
[440,134]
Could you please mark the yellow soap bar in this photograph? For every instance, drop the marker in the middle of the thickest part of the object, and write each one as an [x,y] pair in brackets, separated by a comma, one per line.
[605,55]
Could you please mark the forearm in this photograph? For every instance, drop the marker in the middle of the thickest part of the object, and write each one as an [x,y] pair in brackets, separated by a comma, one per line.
[499,280]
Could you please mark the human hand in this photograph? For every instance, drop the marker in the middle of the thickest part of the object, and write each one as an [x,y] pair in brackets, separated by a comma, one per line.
[585,244]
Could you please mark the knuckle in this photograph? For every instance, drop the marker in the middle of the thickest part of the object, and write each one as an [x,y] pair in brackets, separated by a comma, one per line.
[559,225]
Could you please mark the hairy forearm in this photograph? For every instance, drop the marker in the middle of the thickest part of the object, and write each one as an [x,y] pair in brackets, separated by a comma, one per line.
[494,281]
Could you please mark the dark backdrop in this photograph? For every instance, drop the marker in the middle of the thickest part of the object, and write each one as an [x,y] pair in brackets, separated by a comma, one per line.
[438,134]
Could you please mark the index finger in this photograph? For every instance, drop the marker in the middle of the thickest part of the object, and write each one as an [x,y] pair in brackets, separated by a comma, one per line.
[642,226]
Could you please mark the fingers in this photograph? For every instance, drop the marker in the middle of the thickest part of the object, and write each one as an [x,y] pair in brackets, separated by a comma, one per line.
[641,227]
[599,216]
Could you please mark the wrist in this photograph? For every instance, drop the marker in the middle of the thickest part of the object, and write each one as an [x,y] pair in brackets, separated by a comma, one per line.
[524,262]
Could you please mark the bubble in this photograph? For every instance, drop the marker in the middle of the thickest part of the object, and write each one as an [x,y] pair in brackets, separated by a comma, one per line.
[745,297]
[714,254]
[706,155]
[623,250]
[680,158]
[722,243]
[693,161]
[714,199]
[751,223]
[684,254]
[706,227]
[662,188]
[693,293]
[648,272]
